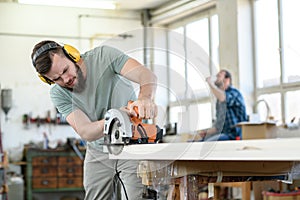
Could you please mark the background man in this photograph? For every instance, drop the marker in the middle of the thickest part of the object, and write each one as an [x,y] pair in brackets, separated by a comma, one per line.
[230,109]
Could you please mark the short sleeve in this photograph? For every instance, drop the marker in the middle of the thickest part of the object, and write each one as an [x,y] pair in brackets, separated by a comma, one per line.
[117,58]
[61,100]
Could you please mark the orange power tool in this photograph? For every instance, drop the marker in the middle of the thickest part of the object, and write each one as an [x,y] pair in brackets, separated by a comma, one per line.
[120,129]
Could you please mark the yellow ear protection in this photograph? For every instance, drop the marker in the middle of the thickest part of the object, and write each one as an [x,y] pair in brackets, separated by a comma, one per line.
[72,53]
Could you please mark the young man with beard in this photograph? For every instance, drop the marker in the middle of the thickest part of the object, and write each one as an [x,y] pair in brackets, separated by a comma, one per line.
[85,87]
[230,109]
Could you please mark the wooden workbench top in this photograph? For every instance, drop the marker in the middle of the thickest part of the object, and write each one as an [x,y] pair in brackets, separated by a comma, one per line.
[285,149]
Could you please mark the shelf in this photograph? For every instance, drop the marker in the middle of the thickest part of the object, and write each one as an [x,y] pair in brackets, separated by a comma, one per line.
[43,174]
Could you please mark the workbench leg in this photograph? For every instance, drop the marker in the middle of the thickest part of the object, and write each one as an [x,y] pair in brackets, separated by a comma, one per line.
[174,192]
[217,190]
[246,190]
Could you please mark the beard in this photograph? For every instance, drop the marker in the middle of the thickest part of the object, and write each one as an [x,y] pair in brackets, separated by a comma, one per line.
[80,86]
[219,83]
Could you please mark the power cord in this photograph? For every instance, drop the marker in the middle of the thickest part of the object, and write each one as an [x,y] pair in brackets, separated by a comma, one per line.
[118,178]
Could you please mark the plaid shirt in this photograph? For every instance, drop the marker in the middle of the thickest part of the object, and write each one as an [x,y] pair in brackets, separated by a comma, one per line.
[230,112]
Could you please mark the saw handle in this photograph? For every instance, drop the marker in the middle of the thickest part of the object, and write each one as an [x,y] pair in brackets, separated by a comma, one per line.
[136,110]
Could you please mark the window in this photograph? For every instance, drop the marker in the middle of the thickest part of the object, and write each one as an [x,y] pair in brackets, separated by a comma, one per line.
[215,42]
[198,32]
[271,106]
[267,43]
[291,40]
[277,47]
[292,105]
[195,117]
[176,61]
[197,41]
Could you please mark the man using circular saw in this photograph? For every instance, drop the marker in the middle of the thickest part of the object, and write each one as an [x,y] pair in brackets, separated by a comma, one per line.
[87,85]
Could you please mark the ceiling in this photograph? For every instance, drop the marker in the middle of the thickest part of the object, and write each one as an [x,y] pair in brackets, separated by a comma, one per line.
[140,4]
[129,4]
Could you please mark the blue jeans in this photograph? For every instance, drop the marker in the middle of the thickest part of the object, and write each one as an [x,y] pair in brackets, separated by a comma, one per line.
[219,137]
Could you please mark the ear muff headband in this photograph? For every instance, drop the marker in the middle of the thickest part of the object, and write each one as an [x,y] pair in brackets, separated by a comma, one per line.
[71,52]
[43,49]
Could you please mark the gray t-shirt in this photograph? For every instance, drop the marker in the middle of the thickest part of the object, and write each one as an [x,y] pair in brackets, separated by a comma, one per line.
[105,88]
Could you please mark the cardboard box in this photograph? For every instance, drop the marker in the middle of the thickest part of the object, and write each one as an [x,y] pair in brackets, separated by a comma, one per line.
[258,130]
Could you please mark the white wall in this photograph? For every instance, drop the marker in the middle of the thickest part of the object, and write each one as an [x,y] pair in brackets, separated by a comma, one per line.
[21,27]
[236,45]
[246,60]
[228,27]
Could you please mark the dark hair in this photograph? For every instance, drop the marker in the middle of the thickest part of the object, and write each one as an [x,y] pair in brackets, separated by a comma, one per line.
[43,62]
[227,75]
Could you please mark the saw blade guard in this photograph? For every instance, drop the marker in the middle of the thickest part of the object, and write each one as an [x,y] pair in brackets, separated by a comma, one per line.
[117,126]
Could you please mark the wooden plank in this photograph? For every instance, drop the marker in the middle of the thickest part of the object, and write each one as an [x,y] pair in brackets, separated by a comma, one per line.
[285,149]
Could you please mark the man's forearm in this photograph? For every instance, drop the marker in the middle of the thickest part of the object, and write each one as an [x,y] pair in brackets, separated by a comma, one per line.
[219,94]
[137,73]
[86,129]
[92,131]
[147,90]
[147,80]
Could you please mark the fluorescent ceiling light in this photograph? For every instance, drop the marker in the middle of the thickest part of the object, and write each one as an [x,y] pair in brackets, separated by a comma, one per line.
[100,4]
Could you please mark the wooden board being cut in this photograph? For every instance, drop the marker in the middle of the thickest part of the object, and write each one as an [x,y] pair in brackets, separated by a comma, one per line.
[285,149]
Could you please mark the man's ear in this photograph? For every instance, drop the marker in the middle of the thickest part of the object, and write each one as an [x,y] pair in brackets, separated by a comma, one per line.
[228,81]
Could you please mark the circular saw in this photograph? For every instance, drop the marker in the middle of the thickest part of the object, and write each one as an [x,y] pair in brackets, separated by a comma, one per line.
[120,129]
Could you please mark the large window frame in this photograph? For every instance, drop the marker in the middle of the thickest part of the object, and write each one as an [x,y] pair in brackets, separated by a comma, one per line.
[184,110]
[284,82]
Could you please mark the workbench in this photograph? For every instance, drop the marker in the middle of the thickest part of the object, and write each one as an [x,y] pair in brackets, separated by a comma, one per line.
[221,161]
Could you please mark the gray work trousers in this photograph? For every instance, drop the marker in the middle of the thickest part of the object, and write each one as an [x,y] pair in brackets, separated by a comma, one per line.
[99,174]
